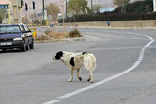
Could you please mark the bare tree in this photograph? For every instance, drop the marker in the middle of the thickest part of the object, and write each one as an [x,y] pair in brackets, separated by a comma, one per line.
[78,6]
[3,14]
[53,10]
[97,7]
[121,4]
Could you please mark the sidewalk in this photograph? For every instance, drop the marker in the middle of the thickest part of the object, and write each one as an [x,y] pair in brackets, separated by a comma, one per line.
[107,27]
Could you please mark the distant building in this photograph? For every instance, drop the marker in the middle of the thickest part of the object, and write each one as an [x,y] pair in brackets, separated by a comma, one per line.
[102,10]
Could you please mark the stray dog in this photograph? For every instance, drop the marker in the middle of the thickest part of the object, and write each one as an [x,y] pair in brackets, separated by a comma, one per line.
[74,61]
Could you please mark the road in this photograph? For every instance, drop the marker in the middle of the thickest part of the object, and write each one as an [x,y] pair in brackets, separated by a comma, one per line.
[125,72]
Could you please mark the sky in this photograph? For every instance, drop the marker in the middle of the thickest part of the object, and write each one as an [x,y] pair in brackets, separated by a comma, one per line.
[105,3]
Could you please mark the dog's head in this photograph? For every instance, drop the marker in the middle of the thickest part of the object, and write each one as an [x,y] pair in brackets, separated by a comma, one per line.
[58,55]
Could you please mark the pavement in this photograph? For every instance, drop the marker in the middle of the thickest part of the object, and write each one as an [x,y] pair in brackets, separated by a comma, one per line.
[125,72]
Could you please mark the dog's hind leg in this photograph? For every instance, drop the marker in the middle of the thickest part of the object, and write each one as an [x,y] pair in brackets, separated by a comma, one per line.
[88,78]
[78,74]
[91,77]
[71,75]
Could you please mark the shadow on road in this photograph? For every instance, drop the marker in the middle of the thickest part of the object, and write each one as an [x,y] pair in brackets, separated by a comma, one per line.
[11,51]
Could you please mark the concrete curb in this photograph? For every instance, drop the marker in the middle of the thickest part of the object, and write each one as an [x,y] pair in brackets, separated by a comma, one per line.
[61,40]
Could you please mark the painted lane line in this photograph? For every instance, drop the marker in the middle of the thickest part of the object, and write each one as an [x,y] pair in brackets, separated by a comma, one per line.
[51,102]
[110,49]
[138,61]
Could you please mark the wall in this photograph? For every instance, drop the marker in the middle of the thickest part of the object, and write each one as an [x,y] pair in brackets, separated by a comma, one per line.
[139,23]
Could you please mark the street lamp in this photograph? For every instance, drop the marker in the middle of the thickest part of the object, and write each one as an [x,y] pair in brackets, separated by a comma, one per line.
[91,6]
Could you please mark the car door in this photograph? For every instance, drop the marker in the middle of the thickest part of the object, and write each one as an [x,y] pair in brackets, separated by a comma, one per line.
[29,35]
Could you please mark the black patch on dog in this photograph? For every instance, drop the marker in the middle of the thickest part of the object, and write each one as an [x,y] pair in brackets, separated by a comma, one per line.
[80,78]
[72,61]
[84,53]
[59,55]
[88,79]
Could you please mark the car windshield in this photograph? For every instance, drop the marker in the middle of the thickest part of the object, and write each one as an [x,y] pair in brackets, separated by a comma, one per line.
[9,29]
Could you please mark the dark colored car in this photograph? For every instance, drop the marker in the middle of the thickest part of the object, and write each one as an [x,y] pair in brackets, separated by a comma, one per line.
[15,36]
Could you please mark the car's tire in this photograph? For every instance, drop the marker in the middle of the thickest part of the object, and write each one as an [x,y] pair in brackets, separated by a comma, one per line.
[32,45]
[3,50]
[27,47]
[23,49]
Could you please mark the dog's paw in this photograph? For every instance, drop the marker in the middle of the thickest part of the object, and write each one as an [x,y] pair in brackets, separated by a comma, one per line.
[88,79]
[80,78]
[91,81]
[69,80]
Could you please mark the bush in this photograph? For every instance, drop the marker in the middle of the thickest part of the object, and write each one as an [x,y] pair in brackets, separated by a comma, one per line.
[74,33]
[139,10]
[114,17]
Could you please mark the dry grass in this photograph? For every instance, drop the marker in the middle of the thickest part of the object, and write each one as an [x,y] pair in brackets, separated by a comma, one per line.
[55,35]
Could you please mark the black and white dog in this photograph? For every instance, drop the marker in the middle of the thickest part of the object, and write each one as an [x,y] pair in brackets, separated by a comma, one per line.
[74,61]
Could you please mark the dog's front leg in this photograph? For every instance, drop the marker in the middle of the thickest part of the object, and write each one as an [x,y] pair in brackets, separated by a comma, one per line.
[71,75]
[78,74]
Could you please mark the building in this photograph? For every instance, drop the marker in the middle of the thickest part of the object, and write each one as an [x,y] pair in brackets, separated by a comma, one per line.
[5,4]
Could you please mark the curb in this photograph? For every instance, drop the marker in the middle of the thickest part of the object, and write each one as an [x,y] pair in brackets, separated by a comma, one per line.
[61,40]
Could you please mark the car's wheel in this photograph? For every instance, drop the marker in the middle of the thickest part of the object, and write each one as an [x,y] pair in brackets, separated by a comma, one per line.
[28,47]
[3,50]
[23,48]
[32,45]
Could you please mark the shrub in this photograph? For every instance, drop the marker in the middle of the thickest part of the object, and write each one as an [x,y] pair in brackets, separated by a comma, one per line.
[74,33]
[114,17]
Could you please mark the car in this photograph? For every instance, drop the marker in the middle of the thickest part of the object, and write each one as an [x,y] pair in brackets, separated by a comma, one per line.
[16,36]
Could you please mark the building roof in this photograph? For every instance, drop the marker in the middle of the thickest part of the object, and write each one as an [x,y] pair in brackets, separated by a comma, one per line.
[4,2]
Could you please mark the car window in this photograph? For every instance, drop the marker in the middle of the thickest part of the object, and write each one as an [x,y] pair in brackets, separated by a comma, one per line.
[22,29]
[26,28]
[9,29]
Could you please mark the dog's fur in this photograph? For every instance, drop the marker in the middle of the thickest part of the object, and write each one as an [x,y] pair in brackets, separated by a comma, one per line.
[74,61]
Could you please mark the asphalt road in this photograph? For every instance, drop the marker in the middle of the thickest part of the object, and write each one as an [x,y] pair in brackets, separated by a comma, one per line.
[125,72]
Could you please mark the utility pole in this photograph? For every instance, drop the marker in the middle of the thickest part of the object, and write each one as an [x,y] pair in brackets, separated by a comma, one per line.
[154,5]
[16,7]
[66,8]
[43,8]
[15,11]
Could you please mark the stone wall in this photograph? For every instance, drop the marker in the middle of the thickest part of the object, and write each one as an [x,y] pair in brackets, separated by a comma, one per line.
[140,23]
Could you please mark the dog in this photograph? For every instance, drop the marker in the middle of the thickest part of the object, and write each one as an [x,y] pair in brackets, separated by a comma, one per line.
[74,61]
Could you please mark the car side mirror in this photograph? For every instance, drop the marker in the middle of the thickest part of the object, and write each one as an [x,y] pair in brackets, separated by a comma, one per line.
[24,31]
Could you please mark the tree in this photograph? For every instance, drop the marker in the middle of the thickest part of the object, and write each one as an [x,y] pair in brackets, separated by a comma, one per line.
[53,10]
[78,6]
[121,4]
[97,7]
[3,14]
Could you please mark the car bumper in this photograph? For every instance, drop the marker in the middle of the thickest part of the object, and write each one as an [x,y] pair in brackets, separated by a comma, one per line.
[10,45]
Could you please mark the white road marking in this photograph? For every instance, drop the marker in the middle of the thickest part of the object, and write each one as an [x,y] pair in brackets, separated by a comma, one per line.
[51,102]
[138,61]
[117,48]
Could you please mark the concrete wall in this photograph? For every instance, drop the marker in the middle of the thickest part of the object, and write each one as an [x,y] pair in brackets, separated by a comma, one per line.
[140,23]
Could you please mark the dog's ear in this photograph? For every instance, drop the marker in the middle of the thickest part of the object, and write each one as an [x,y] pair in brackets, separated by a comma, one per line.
[84,53]
[58,55]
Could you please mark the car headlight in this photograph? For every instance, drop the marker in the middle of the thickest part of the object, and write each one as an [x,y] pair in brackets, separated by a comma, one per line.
[23,36]
[20,38]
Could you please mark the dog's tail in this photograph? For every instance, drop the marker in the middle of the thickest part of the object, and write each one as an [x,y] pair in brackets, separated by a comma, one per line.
[89,61]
